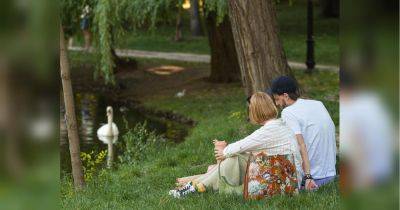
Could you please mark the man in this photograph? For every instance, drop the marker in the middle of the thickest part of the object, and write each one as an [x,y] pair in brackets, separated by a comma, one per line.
[85,26]
[313,127]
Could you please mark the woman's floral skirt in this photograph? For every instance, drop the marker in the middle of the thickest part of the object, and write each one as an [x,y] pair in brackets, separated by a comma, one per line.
[267,176]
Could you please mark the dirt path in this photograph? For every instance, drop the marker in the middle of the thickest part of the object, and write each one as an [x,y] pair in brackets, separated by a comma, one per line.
[201,58]
[143,83]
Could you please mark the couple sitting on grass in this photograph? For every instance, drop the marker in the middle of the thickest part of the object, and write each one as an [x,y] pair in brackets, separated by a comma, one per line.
[305,131]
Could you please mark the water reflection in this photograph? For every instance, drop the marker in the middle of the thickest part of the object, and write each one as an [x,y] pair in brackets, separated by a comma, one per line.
[86,108]
[88,114]
[90,109]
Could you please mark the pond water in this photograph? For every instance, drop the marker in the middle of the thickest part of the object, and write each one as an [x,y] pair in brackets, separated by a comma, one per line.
[90,108]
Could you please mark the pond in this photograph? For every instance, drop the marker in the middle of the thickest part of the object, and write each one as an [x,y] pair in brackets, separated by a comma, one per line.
[90,108]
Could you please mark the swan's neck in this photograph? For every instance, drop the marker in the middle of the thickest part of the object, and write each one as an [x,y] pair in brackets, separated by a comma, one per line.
[110,121]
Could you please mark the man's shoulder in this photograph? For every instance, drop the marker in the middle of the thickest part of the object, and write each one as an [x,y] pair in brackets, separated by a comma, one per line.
[301,105]
[303,100]
[308,103]
[288,112]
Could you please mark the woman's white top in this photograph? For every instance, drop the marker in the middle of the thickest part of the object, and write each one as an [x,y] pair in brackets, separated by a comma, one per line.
[274,137]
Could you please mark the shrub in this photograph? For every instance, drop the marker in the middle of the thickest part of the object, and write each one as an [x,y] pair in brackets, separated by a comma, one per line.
[91,162]
[136,143]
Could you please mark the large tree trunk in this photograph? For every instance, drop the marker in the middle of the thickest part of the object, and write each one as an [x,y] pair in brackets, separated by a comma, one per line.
[179,25]
[224,62]
[330,8]
[10,109]
[260,52]
[195,26]
[122,64]
[70,117]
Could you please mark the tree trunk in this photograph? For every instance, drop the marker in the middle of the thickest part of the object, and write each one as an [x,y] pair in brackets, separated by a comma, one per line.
[70,117]
[10,110]
[260,52]
[122,64]
[330,8]
[224,62]
[179,25]
[195,26]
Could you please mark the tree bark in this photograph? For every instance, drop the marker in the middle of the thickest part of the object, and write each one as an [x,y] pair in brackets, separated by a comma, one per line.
[179,25]
[260,52]
[10,110]
[330,8]
[195,26]
[224,63]
[122,64]
[70,117]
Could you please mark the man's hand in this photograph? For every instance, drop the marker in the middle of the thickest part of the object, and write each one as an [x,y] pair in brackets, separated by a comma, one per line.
[310,184]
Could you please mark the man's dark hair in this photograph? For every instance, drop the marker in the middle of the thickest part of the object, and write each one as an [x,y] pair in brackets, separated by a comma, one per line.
[285,84]
[294,96]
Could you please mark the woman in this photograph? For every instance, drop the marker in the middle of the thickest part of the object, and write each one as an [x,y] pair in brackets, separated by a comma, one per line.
[273,137]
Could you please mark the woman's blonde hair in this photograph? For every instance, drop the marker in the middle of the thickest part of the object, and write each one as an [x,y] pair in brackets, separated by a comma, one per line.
[261,108]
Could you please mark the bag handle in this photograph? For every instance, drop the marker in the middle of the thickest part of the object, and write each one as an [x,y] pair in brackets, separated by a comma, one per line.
[223,178]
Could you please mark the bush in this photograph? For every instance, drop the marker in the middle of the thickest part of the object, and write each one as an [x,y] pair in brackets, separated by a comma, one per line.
[136,143]
[91,162]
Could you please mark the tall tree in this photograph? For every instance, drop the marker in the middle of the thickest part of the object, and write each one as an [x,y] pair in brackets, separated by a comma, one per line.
[260,52]
[111,19]
[224,62]
[195,25]
[77,172]
[179,24]
[330,8]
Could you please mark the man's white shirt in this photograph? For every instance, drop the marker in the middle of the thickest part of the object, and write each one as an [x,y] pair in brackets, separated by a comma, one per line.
[311,119]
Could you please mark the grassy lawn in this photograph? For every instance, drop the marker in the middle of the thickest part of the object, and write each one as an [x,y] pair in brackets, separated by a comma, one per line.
[219,113]
[292,23]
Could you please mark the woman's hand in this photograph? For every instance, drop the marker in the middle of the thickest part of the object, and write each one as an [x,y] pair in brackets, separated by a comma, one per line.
[220,143]
[219,155]
[219,148]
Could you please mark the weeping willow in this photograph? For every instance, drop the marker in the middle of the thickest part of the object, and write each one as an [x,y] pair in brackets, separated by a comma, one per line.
[219,7]
[112,18]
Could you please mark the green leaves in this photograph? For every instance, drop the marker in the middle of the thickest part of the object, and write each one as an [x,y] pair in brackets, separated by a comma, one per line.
[136,143]
[103,19]
[110,19]
[220,7]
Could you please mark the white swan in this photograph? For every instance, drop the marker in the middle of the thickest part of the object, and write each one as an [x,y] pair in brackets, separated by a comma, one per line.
[109,131]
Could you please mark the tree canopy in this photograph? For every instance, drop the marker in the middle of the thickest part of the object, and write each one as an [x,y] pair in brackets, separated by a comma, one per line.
[110,19]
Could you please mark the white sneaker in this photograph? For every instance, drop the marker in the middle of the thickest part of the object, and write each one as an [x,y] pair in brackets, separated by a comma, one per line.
[183,191]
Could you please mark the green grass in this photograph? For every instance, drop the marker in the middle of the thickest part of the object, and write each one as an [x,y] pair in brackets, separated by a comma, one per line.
[293,31]
[162,39]
[292,23]
[145,185]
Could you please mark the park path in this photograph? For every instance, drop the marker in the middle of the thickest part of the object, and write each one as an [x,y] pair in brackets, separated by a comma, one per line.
[190,57]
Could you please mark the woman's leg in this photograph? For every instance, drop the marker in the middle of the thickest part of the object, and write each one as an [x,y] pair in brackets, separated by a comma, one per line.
[210,167]
[229,168]
[184,180]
